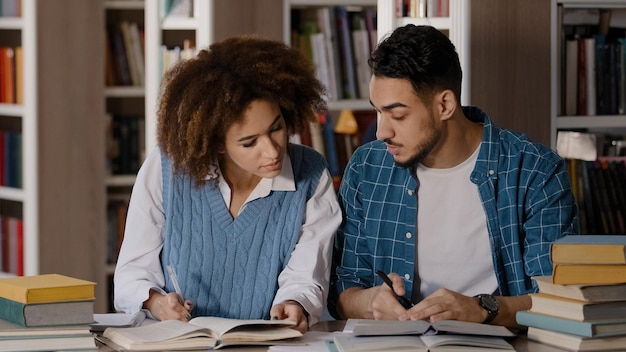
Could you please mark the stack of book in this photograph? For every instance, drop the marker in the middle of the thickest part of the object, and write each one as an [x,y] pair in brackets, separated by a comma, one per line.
[582,305]
[46,312]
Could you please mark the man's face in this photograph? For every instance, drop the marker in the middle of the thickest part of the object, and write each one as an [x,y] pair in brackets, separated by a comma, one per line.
[407,126]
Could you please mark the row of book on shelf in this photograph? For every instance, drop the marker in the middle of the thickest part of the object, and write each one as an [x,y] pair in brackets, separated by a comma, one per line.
[125,52]
[338,41]
[176,8]
[593,76]
[46,312]
[11,75]
[125,139]
[11,245]
[10,8]
[422,8]
[124,65]
[116,222]
[599,187]
[582,305]
[336,137]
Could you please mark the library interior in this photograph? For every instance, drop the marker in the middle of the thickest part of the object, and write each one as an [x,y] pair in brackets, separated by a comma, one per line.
[80,83]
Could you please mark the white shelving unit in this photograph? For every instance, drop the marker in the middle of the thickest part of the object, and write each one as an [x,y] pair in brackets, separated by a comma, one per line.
[60,201]
[457,25]
[123,93]
[27,113]
[200,25]
[158,31]
[601,123]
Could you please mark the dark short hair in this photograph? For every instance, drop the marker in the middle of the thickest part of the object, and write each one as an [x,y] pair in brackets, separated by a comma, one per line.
[203,96]
[423,55]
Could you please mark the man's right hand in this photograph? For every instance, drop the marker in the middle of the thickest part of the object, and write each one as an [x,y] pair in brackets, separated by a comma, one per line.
[377,302]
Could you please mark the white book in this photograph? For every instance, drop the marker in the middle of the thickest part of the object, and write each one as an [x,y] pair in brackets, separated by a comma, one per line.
[137,52]
[590,57]
[130,53]
[320,59]
[360,42]
[325,22]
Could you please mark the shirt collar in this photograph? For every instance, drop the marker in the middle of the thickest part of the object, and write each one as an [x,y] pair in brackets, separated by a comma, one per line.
[283,182]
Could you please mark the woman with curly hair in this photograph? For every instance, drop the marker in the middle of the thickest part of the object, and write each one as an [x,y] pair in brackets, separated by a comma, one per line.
[245,218]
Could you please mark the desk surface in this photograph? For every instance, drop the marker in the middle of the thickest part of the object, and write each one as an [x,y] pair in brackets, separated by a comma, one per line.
[520,343]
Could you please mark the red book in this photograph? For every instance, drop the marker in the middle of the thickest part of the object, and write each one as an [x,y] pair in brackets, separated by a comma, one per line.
[20,247]
[8,75]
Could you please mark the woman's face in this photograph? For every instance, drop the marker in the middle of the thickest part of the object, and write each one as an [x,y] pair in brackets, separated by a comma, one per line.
[257,144]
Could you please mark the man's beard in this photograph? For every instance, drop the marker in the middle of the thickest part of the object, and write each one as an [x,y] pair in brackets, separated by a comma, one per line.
[431,140]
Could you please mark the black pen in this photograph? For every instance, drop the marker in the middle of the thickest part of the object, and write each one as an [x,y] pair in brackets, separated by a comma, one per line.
[405,302]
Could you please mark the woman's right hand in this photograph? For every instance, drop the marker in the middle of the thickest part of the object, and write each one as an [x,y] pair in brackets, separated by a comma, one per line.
[168,307]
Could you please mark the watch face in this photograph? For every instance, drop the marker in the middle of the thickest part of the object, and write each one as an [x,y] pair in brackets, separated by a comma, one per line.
[489,302]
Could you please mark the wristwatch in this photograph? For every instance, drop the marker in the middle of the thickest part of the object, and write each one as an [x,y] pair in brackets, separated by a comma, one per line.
[490,304]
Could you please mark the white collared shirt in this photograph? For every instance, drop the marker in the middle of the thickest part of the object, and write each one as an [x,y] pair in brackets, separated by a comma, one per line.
[305,278]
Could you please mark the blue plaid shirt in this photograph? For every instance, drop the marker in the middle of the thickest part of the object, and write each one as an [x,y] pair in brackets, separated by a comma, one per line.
[524,188]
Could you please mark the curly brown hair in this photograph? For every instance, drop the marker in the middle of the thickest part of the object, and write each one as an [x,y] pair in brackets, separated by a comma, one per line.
[203,96]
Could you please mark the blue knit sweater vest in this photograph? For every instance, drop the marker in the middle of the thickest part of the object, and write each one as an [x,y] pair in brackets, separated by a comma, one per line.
[229,267]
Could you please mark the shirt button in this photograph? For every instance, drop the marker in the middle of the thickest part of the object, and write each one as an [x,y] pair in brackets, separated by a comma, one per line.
[407,276]
[491,172]
[408,235]
[410,192]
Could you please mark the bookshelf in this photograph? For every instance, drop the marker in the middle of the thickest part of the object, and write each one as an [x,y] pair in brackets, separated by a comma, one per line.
[164,37]
[171,32]
[60,198]
[456,25]
[587,88]
[360,102]
[377,17]
[582,16]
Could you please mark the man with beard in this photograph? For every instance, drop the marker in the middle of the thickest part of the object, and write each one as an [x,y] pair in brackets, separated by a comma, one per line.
[459,212]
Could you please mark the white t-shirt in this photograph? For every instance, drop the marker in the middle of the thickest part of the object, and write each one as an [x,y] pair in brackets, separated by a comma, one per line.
[452,238]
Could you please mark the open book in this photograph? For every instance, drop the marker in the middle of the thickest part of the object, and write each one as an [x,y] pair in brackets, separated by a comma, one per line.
[201,333]
[371,327]
[421,343]
[421,335]
[116,320]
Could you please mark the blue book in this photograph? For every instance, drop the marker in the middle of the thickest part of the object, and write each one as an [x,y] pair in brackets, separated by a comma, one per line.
[596,328]
[345,53]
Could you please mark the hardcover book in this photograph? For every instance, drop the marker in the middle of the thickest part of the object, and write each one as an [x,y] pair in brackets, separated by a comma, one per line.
[596,293]
[589,249]
[9,330]
[43,314]
[594,328]
[576,343]
[202,333]
[68,343]
[16,338]
[575,309]
[589,274]
[46,288]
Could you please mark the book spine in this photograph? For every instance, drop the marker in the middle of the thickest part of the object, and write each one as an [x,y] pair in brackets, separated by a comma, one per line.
[346,55]
[12,311]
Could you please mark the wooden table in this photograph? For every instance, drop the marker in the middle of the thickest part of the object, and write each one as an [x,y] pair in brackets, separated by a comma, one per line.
[520,343]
